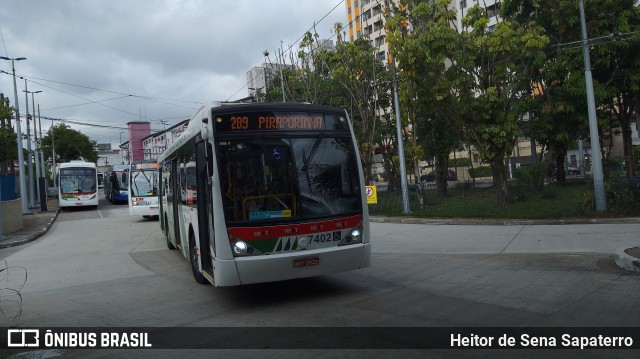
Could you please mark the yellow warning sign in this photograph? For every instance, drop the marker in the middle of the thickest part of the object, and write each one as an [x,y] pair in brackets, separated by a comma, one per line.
[372,195]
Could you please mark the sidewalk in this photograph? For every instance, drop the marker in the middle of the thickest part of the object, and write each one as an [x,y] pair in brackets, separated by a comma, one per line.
[38,223]
[34,226]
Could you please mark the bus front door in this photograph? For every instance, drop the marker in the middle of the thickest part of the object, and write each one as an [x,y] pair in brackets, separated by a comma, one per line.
[205,214]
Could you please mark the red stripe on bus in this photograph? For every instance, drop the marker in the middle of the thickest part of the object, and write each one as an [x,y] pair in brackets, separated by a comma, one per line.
[257,233]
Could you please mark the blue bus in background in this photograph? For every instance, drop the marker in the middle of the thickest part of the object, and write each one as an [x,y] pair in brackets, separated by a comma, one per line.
[116,184]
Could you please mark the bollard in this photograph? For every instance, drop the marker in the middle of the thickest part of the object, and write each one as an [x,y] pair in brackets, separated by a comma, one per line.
[43,194]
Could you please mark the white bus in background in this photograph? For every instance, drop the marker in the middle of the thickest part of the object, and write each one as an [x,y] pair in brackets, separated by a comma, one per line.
[143,188]
[77,184]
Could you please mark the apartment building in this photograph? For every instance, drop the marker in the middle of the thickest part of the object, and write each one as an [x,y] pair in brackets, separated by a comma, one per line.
[366,19]
[492,7]
[156,143]
[261,78]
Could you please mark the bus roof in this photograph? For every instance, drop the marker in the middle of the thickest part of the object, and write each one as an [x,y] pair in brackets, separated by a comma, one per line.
[77,164]
[195,122]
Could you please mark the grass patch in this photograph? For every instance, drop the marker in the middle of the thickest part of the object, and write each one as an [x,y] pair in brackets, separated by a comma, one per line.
[555,201]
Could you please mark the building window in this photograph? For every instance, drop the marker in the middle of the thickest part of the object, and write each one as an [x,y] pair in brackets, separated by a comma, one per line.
[377,26]
[493,10]
[377,10]
[366,15]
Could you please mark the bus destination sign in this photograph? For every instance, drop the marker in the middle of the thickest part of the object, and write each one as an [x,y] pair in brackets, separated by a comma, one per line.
[146,166]
[269,122]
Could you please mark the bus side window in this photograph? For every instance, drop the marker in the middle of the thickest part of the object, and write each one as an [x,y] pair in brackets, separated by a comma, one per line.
[181,181]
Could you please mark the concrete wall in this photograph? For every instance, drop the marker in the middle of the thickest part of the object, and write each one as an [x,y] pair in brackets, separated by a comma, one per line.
[11,215]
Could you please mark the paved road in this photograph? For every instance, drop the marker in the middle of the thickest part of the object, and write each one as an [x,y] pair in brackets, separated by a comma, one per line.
[105,268]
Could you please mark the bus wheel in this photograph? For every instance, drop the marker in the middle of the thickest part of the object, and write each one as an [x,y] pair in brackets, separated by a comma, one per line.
[166,233]
[193,258]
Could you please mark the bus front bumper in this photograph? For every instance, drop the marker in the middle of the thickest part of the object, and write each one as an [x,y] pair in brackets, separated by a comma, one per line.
[292,265]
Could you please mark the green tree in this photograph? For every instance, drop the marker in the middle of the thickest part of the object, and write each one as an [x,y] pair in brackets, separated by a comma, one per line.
[8,139]
[8,147]
[350,77]
[425,91]
[491,68]
[69,145]
[558,108]
[475,78]
[616,62]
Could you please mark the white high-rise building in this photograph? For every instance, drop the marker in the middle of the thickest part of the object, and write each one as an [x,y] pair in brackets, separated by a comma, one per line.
[366,19]
[492,7]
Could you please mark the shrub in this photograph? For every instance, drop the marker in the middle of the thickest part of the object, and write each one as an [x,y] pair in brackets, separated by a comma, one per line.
[483,171]
[526,181]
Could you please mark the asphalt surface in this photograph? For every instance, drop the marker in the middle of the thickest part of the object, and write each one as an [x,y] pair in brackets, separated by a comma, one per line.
[627,257]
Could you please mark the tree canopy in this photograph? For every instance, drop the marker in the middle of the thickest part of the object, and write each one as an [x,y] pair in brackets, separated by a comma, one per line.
[69,145]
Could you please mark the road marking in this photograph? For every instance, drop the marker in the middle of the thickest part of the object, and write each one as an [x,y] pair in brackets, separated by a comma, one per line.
[100,213]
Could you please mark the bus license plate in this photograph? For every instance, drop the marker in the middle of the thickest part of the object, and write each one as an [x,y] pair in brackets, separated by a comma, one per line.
[306,262]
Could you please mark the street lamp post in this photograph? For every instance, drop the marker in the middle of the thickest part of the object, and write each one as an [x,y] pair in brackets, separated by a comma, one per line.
[32,196]
[53,157]
[596,160]
[23,184]
[40,173]
[35,136]
[44,172]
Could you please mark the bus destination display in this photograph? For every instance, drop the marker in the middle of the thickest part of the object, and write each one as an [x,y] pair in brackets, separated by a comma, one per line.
[146,166]
[275,122]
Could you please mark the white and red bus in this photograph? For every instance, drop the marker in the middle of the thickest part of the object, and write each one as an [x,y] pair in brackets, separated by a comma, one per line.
[77,184]
[276,193]
[143,188]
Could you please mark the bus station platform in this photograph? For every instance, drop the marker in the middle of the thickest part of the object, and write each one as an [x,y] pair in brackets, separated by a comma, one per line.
[38,223]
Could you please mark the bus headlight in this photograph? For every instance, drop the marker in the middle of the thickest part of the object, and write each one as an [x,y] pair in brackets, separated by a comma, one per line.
[240,248]
[354,236]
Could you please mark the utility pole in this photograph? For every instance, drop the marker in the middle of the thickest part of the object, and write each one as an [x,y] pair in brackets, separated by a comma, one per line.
[403,170]
[53,157]
[35,136]
[596,159]
[44,172]
[31,193]
[284,99]
[23,184]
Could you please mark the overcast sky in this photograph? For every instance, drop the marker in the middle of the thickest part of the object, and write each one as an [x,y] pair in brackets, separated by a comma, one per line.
[89,56]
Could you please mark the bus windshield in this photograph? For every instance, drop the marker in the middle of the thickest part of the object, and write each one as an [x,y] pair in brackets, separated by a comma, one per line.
[77,180]
[144,182]
[121,183]
[267,177]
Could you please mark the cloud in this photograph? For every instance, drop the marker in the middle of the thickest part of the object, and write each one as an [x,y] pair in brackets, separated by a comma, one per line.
[176,50]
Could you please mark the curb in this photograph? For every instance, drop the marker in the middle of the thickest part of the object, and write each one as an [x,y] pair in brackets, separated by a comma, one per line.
[501,222]
[625,260]
[33,236]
